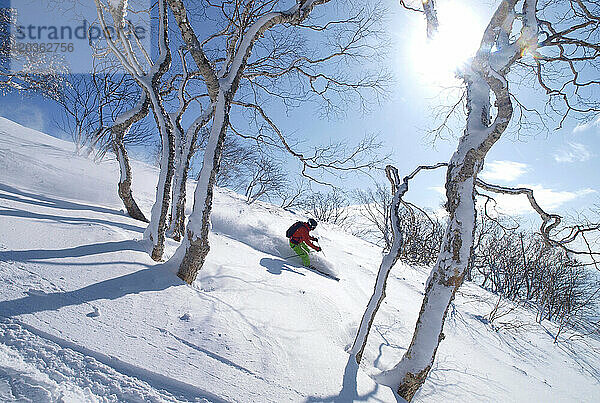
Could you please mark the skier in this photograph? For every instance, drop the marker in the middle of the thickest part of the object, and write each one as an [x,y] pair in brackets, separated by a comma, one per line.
[300,239]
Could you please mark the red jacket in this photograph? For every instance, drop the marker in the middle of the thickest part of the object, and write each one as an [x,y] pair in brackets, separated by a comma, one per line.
[302,235]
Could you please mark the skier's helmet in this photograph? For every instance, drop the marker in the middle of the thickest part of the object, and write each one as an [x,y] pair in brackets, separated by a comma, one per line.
[312,223]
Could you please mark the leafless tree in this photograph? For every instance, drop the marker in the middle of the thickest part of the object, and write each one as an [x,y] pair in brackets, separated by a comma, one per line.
[256,49]
[553,229]
[399,189]
[266,178]
[123,44]
[186,139]
[120,130]
[422,232]
[374,206]
[97,113]
[556,49]
[237,162]
[292,196]
[81,100]
[246,169]
[423,235]
[521,266]
[331,207]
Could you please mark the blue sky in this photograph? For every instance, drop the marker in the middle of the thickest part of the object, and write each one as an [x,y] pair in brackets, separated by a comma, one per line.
[561,165]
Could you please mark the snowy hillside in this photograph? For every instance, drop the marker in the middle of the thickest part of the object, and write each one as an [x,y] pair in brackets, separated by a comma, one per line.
[86,315]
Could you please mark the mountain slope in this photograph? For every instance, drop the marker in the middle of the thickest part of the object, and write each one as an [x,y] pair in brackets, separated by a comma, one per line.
[85,314]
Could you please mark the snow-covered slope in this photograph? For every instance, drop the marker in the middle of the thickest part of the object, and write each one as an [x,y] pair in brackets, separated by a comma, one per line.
[86,315]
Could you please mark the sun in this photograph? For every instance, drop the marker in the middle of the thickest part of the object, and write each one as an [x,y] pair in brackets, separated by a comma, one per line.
[437,60]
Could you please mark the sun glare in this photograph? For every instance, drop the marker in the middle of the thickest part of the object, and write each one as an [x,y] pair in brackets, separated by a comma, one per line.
[438,59]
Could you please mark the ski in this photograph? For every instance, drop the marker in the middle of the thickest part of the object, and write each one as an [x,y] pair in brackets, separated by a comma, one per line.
[331,276]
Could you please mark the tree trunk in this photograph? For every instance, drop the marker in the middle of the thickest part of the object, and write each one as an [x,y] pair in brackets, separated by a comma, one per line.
[177,226]
[177,222]
[387,263]
[450,269]
[196,240]
[118,131]
[485,75]
[195,246]
[124,187]
[398,192]
[157,226]
[185,152]
[158,223]
[442,284]
[177,192]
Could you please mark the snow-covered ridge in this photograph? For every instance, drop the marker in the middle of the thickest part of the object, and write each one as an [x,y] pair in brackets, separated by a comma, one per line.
[86,315]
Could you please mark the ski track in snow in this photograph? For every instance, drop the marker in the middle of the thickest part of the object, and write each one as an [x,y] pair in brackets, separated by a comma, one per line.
[36,369]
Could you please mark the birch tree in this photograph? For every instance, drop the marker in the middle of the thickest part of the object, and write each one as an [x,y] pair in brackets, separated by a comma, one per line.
[421,232]
[81,101]
[486,74]
[266,178]
[375,204]
[237,162]
[186,140]
[122,42]
[222,87]
[399,189]
[522,266]
[119,130]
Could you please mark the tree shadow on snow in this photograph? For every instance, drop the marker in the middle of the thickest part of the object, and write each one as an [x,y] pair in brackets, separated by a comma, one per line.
[22,196]
[77,251]
[151,279]
[277,266]
[349,391]
[12,212]
[457,383]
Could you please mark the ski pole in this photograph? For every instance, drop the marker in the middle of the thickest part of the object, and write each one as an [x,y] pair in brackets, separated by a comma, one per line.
[321,249]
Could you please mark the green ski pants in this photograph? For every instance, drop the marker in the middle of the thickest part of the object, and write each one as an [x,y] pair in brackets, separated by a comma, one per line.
[302,250]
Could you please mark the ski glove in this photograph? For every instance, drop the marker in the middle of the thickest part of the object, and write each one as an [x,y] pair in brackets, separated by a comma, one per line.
[318,249]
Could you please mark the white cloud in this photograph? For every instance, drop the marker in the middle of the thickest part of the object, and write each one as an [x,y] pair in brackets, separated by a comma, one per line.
[574,152]
[587,126]
[505,171]
[550,200]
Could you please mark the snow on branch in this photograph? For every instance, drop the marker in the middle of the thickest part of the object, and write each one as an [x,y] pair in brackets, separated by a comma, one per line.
[399,189]
[410,8]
